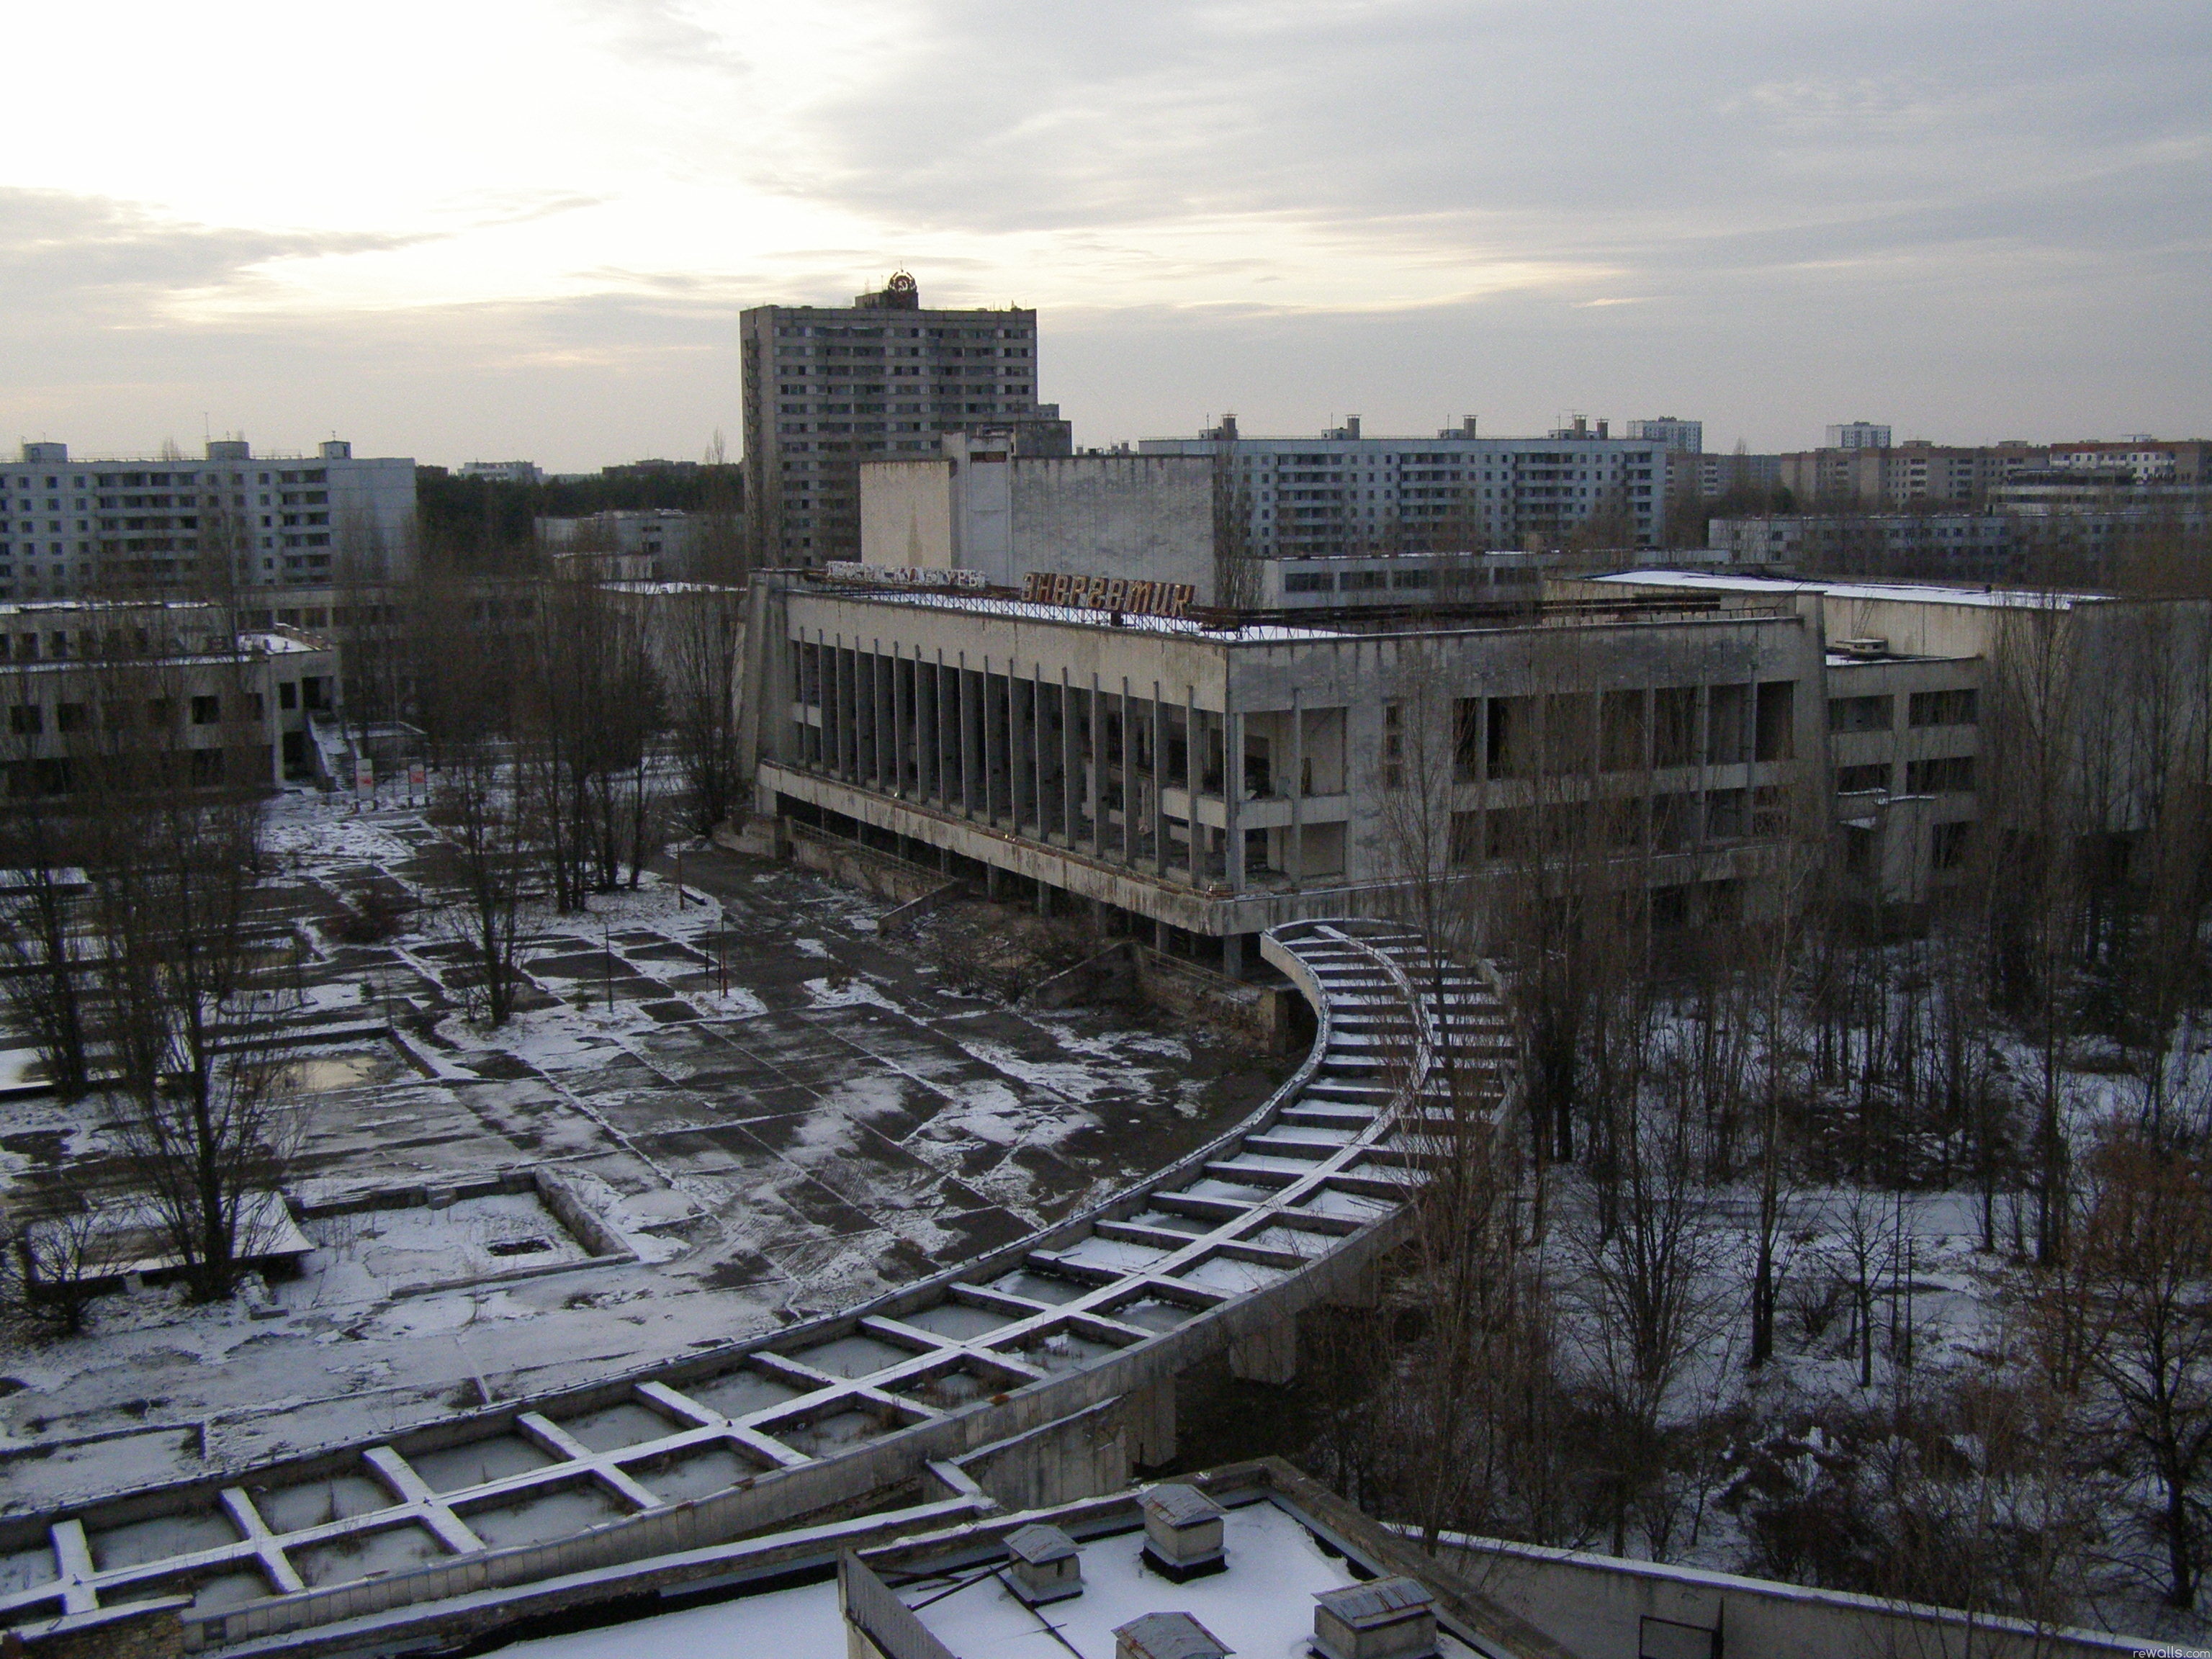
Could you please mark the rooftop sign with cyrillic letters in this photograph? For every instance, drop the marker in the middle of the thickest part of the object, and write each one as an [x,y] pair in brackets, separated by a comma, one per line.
[1140,599]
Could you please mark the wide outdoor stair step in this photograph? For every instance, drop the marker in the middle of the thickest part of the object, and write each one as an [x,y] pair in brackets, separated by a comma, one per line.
[1317,1114]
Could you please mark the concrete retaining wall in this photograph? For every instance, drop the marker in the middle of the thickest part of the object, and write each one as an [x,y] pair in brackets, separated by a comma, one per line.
[1596,1606]
[881,873]
[1258,1012]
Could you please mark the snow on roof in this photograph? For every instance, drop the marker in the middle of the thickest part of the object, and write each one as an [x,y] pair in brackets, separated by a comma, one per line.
[1038,1544]
[1380,1602]
[1903,592]
[1180,1505]
[1071,615]
[276,644]
[1263,1604]
[1171,1636]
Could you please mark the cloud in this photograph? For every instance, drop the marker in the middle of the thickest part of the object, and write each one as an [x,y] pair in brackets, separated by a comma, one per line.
[90,256]
[1761,210]
[661,33]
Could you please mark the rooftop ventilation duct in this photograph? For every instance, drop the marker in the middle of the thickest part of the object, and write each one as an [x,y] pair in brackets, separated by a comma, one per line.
[1182,1533]
[1048,1567]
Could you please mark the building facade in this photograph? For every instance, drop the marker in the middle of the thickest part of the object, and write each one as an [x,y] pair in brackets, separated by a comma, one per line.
[1344,493]
[1961,546]
[826,388]
[1204,782]
[208,706]
[76,528]
[650,542]
[1676,437]
[1858,435]
[1881,478]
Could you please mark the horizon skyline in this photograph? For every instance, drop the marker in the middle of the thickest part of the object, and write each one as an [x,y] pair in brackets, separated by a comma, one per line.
[529,230]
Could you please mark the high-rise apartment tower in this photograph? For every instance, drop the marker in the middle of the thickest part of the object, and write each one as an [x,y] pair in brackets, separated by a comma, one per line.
[826,388]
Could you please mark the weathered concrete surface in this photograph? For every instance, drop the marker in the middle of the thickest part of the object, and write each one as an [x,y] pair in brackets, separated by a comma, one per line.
[833,1125]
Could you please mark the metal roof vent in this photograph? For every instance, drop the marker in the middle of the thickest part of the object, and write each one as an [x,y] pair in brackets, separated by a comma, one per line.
[1182,1533]
[1386,1619]
[1167,1636]
[1048,1567]
[1862,647]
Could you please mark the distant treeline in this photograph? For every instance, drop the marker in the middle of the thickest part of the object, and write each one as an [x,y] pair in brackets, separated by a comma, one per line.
[483,518]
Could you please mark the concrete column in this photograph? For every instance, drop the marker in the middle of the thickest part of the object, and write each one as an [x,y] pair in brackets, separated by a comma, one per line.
[1095,768]
[1020,776]
[1232,800]
[872,773]
[1270,1355]
[1039,773]
[1294,853]
[945,760]
[1232,955]
[967,739]
[1128,778]
[1194,767]
[827,654]
[1149,1423]
[1159,825]
[837,709]
[895,721]
[1068,775]
[992,743]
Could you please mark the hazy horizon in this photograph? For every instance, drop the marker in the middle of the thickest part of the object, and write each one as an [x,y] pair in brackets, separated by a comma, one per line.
[513,231]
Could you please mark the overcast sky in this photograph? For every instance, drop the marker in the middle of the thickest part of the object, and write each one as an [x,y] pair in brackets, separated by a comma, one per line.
[492,228]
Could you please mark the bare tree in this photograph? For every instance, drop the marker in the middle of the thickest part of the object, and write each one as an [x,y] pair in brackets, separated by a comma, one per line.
[705,656]
[184,1008]
[2146,1251]
[44,947]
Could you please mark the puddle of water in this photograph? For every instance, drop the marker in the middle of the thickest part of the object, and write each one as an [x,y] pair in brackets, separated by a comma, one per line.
[320,1073]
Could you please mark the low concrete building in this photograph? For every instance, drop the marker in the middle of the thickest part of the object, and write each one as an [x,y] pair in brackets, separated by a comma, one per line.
[1201,781]
[1911,671]
[641,544]
[234,709]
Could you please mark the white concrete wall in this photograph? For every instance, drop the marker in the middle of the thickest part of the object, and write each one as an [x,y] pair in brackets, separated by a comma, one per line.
[1146,517]
[907,513]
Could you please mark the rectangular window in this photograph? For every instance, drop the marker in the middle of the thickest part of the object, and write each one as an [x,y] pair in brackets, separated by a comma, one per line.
[71,717]
[1861,714]
[1393,745]
[206,711]
[287,695]
[1942,708]
[1511,740]
[1776,736]
[1620,716]
[1858,779]
[1950,774]
[27,719]
[1954,843]
[1467,847]
[1467,739]
[1674,725]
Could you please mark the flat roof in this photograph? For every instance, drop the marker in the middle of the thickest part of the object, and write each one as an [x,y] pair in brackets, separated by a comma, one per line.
[1074,616]
[1262,1605]
[1905,593]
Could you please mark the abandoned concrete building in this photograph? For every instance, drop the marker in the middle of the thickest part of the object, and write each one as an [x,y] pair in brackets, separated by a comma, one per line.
[1198,779]
[236,708]
[1204,780]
